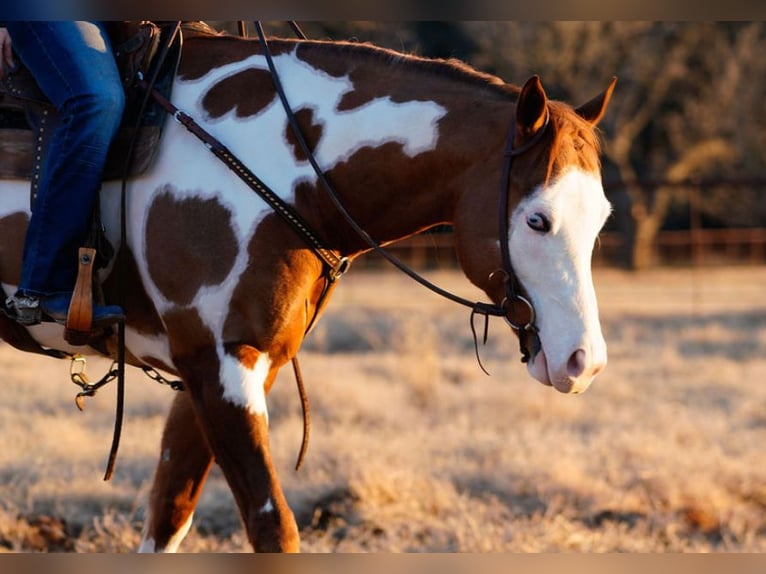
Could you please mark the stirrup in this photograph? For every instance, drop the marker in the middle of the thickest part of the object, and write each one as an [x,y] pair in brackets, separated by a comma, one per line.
[79,320]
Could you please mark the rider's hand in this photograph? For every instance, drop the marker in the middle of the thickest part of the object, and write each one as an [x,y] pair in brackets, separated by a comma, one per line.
[6,56]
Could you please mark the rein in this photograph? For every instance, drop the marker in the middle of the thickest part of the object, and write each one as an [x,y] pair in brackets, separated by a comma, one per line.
[526,328]
[119,373]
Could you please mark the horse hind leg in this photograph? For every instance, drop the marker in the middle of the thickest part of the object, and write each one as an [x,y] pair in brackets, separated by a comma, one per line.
[183,466]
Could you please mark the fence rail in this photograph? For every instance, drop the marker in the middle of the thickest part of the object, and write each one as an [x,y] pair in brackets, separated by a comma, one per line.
[701,247]
[695,246]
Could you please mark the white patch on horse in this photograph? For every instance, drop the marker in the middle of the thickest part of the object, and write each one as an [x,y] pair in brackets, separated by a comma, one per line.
[51,336]
[145,346]
[555,269]
[245,387]
[149,546]
[266,508]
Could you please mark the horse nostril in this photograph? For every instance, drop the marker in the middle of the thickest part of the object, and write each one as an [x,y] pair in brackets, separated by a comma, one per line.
[579,365]
[576,364]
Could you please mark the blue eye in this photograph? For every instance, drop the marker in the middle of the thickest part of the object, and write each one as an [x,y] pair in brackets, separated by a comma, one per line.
[539,222]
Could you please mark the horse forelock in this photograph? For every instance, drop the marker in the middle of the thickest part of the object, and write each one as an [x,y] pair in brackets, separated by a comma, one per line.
[575,142]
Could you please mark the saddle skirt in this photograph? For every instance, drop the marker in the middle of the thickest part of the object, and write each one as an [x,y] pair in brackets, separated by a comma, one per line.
[27,116]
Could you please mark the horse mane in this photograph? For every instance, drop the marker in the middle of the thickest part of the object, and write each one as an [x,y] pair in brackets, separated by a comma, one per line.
[449,68]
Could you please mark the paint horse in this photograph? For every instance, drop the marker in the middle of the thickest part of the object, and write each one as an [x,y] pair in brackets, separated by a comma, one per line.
[220,290]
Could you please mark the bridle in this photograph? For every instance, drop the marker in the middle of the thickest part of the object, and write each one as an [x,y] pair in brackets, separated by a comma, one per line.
[529,340]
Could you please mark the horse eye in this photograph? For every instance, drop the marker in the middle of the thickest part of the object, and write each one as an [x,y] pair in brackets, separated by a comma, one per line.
[539,222]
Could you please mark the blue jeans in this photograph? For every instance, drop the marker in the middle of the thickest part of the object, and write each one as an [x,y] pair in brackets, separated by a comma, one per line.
[74,65]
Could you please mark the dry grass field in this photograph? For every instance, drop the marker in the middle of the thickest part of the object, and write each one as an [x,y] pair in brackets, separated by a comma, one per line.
[414,449]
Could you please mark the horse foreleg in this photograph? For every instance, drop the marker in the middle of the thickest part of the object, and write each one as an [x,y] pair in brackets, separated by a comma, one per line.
[229,395]
[183,466]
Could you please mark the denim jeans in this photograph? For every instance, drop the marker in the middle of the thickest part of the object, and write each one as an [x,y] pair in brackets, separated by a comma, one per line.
[74,66]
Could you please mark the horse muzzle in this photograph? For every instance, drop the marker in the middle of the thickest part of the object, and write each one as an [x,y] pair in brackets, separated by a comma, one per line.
[572,375]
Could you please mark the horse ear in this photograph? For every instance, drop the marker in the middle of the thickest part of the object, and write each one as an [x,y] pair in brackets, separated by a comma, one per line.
[530,108]
[594,109]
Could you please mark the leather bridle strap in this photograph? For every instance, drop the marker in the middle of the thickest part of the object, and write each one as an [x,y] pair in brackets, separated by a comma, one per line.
[512,287]
[529,340]
[482,308]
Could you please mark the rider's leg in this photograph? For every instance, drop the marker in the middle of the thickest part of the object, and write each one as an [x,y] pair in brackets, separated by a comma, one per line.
[74,65]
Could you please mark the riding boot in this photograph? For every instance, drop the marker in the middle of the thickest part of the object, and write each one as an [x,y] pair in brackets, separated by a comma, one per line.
[31,310]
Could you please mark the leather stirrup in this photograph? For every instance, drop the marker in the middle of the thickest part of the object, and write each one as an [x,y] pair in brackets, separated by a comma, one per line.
[79,320]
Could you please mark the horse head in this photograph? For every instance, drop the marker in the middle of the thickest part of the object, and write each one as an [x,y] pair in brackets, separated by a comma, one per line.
[557,208]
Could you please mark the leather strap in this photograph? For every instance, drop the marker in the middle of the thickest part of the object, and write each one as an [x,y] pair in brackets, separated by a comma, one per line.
[79,319]
[337,265]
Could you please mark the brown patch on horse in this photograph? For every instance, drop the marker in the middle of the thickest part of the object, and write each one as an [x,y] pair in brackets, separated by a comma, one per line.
[12,230]
[276,296]
[311,132]
[191,234]
[358,97]
[247,92]
[575,143]
[142,315]
[203,54]
[335,67]
[427,171]
[189,338]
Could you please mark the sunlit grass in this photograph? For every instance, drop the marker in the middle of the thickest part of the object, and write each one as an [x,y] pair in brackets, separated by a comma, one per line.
[413,448]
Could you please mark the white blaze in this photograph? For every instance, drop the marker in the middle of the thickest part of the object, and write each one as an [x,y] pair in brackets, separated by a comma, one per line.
[555,269]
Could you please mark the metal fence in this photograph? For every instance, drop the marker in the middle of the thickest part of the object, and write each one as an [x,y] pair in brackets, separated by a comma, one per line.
[681,247]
